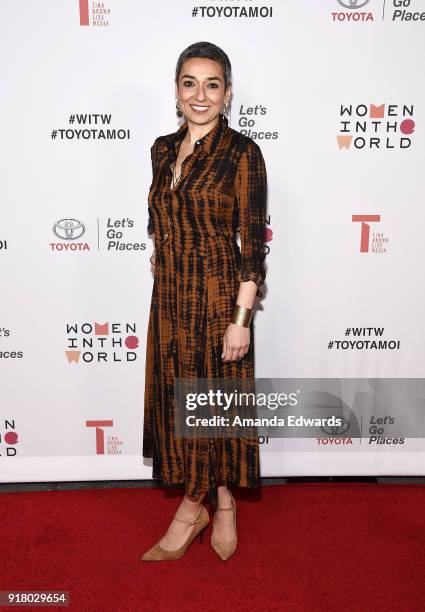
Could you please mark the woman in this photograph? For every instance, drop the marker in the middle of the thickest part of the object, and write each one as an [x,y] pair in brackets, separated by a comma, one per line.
[208,180]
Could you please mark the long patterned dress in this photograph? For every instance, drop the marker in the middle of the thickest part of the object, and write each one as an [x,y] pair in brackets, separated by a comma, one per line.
[198,268]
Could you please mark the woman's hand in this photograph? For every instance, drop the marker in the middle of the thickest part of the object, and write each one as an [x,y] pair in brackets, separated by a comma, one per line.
[236,341]
[152,260]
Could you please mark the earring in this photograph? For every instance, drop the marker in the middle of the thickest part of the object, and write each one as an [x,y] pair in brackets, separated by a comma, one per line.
[179,113]
[226,108]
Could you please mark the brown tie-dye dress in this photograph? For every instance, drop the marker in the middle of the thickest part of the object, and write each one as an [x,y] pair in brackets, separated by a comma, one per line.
[199,266]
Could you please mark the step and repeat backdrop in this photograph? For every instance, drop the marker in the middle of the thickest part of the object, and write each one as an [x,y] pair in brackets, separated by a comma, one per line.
[333,93]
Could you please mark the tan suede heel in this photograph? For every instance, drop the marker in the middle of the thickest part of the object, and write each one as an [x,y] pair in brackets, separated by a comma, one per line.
[225,549]
[156,553]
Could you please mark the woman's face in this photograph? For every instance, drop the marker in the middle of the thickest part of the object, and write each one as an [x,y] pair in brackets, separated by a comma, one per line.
[201,90]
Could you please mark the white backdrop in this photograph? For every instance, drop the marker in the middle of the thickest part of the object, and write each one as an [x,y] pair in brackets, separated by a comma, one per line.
[86,89]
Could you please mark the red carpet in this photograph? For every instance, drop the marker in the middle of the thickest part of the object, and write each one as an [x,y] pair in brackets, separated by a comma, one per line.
[302,548]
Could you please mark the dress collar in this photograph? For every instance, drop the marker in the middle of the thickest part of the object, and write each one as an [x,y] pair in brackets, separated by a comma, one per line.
[206,142]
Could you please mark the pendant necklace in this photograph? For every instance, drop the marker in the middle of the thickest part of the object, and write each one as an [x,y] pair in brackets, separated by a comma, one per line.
[175,177]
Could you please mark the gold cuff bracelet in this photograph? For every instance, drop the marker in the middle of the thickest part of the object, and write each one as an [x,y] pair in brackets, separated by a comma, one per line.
[242,316]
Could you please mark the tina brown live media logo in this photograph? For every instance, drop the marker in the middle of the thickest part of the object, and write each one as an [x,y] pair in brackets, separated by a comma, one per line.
[99,13]
[109,446]
[370,242]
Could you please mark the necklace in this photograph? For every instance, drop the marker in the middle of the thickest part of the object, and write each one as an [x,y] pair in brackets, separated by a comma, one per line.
[175,177]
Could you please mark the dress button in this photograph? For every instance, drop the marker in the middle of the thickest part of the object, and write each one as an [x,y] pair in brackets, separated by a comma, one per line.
[198,142]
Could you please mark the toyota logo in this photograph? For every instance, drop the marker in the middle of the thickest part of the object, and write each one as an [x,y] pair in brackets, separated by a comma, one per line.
[337,430]
[353,4]
[69,229]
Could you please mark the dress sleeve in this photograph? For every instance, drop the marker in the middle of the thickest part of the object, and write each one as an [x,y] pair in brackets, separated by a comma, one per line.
[150,227]
[251,193]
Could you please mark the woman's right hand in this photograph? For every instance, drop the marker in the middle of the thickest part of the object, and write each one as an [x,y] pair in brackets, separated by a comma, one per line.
[152,260]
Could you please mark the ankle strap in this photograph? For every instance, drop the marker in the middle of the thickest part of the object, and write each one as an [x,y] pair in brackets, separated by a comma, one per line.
[190,522]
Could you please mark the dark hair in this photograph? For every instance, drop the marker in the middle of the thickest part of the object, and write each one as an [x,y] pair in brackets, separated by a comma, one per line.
[209,51]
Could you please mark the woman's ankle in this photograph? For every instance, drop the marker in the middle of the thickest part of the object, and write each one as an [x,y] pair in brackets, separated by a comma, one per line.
[192,503]
[223,495]
[193,500]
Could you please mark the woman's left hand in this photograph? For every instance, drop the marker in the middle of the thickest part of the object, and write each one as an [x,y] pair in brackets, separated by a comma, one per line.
[236,341]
